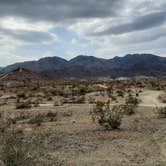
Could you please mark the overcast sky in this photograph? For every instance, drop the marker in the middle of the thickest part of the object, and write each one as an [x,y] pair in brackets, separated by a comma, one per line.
[31,29]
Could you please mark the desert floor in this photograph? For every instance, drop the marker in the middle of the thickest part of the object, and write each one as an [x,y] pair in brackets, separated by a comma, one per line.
[75,140]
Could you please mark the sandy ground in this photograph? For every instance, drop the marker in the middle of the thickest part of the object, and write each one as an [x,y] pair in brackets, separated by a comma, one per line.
[141,140]
[150,98]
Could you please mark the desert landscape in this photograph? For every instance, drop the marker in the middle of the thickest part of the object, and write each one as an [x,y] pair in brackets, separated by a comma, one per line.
[44,121]
[82,83]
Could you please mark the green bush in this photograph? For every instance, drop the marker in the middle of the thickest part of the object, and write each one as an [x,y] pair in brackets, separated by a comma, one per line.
[107,116]
[130,105]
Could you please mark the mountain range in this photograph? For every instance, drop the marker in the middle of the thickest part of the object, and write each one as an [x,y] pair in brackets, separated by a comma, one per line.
[90,66]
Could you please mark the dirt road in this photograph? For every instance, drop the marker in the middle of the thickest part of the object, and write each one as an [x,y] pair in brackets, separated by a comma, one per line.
[149,98]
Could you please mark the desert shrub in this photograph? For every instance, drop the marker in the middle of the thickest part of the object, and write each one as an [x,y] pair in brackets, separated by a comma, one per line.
[79,89]
[137,94]
[4,125]
[74,100]
[14,152]
[120,93]
[67,101]
[161,111]
[23,105]
[58,91]
[40,118]
[110,91]
[113,98]
[82,90]
[11,121]
[52,91]
[49,98]
[21,117]
[102,93]
[107,116]
[129,109]
[21,95]
[57,103]
[37,119]
[67,114]
[79,99]
[162,98]
[132,100]
[130,105]
[3,102]
[91,100]
[36,102]
[52,116]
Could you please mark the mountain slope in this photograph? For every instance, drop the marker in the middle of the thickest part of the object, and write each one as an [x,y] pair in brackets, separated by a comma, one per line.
[89,66]
[51,64]
[23,77]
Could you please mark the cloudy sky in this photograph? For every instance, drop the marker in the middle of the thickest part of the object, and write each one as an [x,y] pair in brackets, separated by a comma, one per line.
[31,29]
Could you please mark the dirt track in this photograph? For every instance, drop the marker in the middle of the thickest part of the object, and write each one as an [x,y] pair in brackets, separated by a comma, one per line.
[150,98]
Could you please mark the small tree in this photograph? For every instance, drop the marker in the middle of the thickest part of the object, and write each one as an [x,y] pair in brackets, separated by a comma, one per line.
[107,116]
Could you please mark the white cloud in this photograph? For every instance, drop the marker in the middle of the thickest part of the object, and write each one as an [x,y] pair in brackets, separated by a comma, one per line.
[74,41]
[15,23]
[8,57]
[32,27]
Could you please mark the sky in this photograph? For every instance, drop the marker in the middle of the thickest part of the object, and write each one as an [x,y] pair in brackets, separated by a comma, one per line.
[33,29]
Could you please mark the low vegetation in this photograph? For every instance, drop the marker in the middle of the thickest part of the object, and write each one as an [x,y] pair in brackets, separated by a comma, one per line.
[23,105]
[162,98]
[107,116]
[14,151]
[161,111]
[130,105]
[52,126]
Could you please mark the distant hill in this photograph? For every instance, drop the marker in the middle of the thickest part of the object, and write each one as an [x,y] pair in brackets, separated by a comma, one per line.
[89,66]
[23,76]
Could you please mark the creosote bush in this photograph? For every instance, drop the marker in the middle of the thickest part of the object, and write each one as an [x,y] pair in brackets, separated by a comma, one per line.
[37,119]
[40,118]
[130,105]
[74,100]
[162,98]
[21,95]
[52,116]
[120,93]
[107,116]
[110,91]
[23,105]
[161,111]
[14,152]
